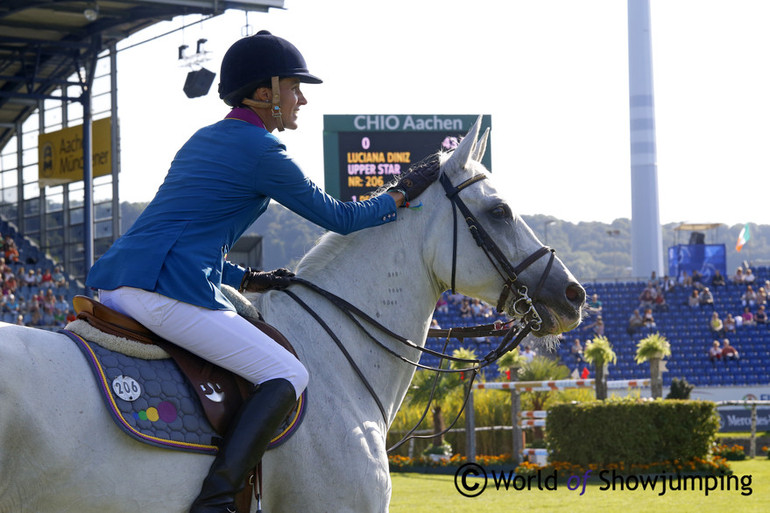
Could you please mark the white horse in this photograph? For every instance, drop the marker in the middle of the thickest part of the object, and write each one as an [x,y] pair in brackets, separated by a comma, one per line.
[61,452]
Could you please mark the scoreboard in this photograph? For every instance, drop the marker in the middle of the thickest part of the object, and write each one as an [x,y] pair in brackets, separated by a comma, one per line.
[364,152]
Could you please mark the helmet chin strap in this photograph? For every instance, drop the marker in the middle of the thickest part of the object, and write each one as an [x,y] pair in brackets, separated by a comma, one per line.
[275,106]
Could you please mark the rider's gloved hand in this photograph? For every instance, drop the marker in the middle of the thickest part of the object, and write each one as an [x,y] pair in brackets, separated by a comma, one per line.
[418,178]
[262,281]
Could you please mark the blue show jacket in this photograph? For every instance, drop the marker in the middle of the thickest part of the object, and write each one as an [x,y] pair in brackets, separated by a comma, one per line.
[219,183]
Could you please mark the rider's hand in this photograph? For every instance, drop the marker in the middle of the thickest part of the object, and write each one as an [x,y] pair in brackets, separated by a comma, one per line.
[262,281]
[418,178]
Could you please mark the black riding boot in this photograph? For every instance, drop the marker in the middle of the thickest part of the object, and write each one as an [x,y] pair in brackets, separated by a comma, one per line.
[246,441]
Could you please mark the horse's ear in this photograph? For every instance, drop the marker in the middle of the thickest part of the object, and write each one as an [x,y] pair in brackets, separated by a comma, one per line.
[466,149]
[481,146]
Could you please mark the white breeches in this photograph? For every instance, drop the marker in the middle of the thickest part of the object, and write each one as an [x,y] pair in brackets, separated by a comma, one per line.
[221,337]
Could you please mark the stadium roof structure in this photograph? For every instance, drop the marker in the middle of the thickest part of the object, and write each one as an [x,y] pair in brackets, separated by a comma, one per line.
[45,42]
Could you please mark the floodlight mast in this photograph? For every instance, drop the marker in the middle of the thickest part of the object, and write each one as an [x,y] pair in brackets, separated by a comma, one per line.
[646,238]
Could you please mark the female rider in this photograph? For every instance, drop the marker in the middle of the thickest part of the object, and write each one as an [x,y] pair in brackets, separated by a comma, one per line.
[166,270]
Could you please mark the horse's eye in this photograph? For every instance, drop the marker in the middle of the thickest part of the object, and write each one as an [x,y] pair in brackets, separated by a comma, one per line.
[501,211]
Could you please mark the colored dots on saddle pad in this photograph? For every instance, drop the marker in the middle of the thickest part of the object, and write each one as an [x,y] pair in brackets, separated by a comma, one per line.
[165,411]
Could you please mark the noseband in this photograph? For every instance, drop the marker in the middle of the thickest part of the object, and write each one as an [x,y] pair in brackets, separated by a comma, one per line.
[522,302]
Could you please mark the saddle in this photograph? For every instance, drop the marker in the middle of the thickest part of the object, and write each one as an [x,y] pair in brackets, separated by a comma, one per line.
[220,392]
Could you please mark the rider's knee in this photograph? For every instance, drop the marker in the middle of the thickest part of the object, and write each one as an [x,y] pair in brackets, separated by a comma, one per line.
[299,378]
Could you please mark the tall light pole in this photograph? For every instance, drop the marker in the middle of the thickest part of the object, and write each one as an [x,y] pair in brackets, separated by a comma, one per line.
[646,238]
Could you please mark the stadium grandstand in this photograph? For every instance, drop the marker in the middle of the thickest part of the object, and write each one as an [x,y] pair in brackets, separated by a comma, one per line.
[686,327]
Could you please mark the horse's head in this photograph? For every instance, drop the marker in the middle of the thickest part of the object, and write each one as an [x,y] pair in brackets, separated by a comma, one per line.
[483,249]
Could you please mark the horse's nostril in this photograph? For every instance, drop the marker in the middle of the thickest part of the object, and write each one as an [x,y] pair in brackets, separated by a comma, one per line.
[576,294]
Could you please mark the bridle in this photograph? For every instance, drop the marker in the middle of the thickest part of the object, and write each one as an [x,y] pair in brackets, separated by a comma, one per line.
[514,291]
[522,302]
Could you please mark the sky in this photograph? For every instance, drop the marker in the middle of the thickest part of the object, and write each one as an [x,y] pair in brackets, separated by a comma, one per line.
[553,74]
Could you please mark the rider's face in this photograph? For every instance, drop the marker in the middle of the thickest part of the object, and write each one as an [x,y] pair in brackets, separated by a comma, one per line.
[291,100]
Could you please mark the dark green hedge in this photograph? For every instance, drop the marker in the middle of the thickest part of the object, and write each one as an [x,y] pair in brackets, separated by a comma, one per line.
[631,431]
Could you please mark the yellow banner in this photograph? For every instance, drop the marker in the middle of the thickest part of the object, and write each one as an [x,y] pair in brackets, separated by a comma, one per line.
[60,153]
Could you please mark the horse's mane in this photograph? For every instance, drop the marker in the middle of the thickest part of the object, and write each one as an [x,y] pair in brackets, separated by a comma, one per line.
[329,246]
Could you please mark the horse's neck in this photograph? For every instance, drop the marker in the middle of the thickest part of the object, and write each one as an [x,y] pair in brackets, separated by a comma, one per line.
[380,270]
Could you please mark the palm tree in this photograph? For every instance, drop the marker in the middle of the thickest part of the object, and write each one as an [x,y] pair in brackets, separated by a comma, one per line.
[541,368]
[653,348]
[509,365]
[599,353]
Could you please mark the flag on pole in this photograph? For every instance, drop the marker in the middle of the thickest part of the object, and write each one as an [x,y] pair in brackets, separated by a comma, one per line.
[743,238]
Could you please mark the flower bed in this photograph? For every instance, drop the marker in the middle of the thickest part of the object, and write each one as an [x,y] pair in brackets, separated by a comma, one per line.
[715,464]
[732,452]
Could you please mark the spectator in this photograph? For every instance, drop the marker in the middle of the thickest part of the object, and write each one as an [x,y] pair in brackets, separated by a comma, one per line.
[730,324]
[716,324]
[597,326]
[729,353]
[29,279]
[697,279]
[749,298]
[70,316]
[594,306]
[648,318]
[718,280]
[58,277]
[12,304]
[528,354]
[455,298]
[668,283]
[486,311]
[634,322]
[738,277]
[476,308]
[35,317]
[62,304]
[706,297]
[659,303]
[59,318]
[694,300]
[748,317]
[647,297]
[46,280]
[577,351]
[715,352]
[749,276]
[761,316]
[762,296]
[684,279]
[465,309]
[11,251]
[441,305]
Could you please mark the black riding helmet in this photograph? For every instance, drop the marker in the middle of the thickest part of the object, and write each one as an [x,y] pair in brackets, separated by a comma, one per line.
[251,62]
